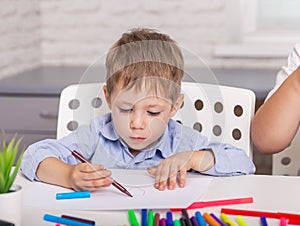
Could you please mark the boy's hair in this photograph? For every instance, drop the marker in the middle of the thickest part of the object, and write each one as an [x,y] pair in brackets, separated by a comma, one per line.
[144,58]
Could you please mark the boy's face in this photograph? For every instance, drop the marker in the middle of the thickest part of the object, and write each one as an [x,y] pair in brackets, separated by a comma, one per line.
[140,118]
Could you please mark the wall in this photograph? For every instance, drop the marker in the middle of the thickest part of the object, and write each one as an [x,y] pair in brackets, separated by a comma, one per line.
[20,37]
[76,32]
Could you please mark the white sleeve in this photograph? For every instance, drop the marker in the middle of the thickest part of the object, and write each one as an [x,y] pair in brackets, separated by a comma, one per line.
[292,64]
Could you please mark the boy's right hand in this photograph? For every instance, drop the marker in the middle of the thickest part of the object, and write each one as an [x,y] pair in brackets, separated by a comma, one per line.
[86,176]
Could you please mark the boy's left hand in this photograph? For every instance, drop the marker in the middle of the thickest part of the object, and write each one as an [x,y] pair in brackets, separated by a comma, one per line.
[175,167]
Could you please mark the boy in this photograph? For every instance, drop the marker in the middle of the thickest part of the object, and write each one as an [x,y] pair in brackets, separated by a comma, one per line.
[144,73]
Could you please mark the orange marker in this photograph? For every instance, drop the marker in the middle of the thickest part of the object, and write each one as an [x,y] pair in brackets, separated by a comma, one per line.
[210,220]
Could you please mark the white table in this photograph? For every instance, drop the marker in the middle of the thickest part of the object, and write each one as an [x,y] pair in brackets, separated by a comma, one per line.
[270,193]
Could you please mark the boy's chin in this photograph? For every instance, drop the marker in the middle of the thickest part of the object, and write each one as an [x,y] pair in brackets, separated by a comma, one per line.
[141,147]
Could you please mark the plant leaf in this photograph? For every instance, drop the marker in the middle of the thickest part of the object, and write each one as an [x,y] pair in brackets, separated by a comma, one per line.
[14,174]
[12,155]
[2,184]
[8,155]
[2,163]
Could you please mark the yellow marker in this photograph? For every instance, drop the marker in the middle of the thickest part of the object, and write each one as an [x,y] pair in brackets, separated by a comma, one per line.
[226,219]
[241,222]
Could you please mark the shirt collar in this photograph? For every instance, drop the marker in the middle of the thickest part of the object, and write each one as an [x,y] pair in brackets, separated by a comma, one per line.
[107,128]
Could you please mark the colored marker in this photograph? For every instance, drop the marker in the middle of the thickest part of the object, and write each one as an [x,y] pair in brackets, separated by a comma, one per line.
[156,219]
[132,218]
[79,219]
[144,217]
[210,220]
[150,218]
[163,222]
[226,220]
[73,195]
[283,221]
[289,215]
[200,219]
[177,222]
[197,205]
[115,183]
[250,213]
[263,221]
[240,220]
[204,204]
[186,217]
[182,221]
[194,221]
[169,218]
[60,220]
[293,218]
[217,219]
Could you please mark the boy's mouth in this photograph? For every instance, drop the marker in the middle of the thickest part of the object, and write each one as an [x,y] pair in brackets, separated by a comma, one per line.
[137,139]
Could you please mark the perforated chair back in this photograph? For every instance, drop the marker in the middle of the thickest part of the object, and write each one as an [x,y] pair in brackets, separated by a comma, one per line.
[287,162]
[221,113]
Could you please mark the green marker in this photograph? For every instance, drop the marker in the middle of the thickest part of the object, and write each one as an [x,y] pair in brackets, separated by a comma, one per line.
[132,218]
[150,218]
[177,222]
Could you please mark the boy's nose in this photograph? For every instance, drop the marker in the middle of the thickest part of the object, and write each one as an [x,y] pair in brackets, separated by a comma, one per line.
[137,121]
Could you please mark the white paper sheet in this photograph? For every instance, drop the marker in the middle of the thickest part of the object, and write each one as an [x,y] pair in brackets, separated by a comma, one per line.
[137,182]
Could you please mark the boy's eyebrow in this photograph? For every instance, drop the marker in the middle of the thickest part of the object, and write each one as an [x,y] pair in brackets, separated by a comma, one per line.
[153,105]
[148,105]
[125,103]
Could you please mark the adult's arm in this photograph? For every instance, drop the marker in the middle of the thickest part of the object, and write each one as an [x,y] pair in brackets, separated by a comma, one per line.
[276,122]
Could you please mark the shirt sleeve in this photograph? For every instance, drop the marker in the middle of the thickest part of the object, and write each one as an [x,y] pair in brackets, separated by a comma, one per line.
[81,140]
[230,161]
[292,64]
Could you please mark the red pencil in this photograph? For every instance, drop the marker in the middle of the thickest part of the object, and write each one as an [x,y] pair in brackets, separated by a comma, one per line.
[250,213]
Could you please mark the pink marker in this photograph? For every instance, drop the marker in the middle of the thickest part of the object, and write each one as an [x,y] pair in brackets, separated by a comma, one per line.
[283,221]
[197,205]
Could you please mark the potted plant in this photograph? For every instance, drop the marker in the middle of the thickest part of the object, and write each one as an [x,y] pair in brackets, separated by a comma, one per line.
[10,194]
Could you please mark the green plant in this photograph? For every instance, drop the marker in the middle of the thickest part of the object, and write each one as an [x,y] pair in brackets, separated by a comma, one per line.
[8,156]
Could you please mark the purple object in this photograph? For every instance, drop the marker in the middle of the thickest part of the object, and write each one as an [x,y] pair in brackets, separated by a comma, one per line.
[217,219]
[163,222]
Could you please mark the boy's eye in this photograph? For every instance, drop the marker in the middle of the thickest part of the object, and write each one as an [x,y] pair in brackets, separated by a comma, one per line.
[124,110]
[153,113]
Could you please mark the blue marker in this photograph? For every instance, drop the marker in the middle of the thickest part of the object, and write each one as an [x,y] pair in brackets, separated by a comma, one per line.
[169,218]
[144,217]
[200,219]
[263,221]
[73,195]
[60,220]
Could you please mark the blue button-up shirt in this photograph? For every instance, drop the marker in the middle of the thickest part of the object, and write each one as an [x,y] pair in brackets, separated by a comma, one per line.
[99,143]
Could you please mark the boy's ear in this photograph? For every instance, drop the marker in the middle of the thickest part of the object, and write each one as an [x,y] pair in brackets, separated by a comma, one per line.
[177,104]
[106,97]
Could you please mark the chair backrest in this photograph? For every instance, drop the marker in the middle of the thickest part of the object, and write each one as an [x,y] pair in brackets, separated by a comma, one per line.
[287,162]
[221,113]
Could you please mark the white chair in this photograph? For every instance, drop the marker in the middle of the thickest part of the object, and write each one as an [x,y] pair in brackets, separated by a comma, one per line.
[287,162]
[221,113]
